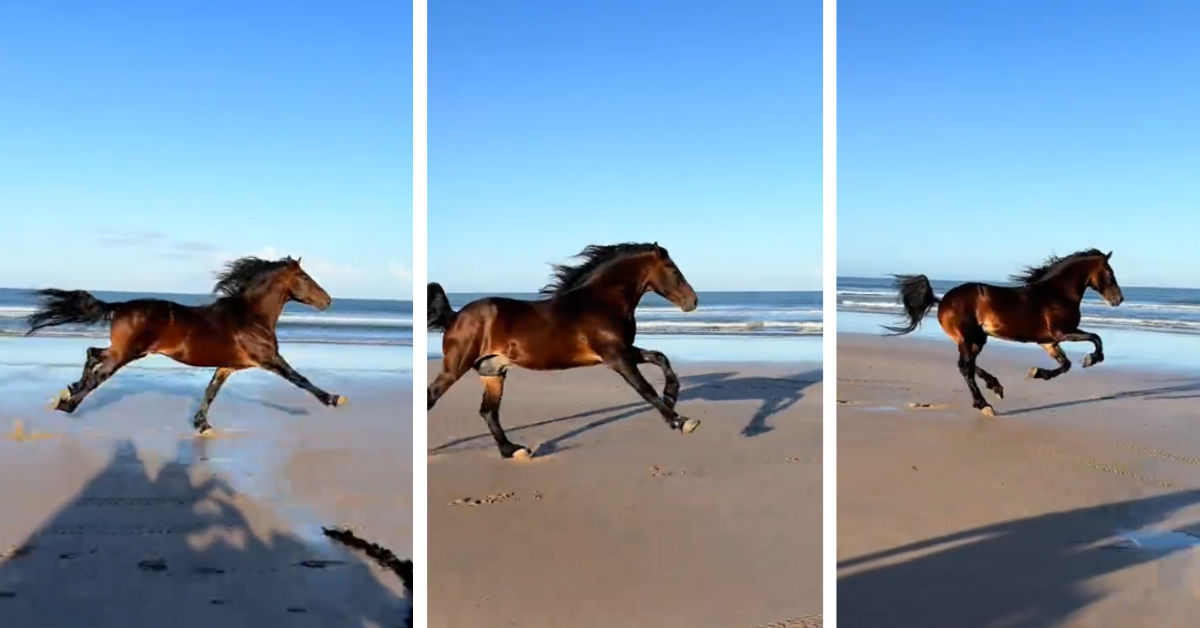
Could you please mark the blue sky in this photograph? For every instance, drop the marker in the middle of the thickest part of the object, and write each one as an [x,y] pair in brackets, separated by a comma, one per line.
[694,123]
[143,144]
[977,137]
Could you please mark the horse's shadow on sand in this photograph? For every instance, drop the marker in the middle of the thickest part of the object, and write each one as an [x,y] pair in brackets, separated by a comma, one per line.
[1188,390]
[1036,572]
[128,385]
[775,395]
[190,535]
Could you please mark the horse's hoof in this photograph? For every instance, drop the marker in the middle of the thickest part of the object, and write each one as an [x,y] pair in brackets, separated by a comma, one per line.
[987,411]
[1089,360]
[63,395]
[999,393]
[207,430]
[1032,374]
[522,454]
[339,401]
[690,426]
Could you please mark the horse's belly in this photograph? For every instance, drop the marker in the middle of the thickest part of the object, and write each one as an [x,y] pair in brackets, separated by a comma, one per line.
[203,349]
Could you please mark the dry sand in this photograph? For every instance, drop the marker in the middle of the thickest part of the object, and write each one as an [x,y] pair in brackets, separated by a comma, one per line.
[119,517]
[618,521]
[947,518]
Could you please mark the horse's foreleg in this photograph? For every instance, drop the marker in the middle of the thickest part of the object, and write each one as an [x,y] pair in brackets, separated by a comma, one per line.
[489,409]
[200,421]
[1079,335]
[1059,356]
[280,367]
[626,366]
[671,389]
[966,366]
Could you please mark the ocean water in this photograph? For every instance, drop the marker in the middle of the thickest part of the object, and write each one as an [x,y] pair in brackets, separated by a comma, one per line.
[1164,310]
[347,321]
[727,326]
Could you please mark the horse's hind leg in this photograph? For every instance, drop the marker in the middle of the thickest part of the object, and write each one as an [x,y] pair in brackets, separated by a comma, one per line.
[990,381]
[200,421]
[95,355]
[111,363]
[967,352]
[1059,356]
[450,373]
[671,389]
[489,409]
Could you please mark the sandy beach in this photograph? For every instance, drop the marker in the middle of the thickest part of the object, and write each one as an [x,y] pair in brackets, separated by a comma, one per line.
[118,516]
[1075,506]
[618,521]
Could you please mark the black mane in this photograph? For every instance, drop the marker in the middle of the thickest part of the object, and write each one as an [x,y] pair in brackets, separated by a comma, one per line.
[567,277]
[1052,266]
[246,273]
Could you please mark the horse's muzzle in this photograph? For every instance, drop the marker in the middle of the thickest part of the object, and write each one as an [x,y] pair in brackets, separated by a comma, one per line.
[1114,299]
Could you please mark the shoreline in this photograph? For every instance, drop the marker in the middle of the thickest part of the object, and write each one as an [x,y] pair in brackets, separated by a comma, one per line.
[617,520]
[1142,350]
[715,348]
[68,353]
[1057,511]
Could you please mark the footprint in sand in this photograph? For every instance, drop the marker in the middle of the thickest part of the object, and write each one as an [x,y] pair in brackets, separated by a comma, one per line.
[495,498]
[208,571]
[659,472]
[916,405]
[319,564]
[153,564]
[846,402]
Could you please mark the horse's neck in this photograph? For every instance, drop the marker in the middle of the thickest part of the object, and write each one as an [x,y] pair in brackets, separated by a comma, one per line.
[268,302]
[620,286]
[1074,280]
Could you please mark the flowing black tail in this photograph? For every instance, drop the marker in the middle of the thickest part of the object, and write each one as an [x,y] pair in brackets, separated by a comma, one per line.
[439,313]
[916,295]
[59,307]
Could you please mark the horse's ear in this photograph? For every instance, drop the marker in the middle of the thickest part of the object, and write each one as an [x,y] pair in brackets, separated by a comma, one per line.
[1109,256]
[657,249]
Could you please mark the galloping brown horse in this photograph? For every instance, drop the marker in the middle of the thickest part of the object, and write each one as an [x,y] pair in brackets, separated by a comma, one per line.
[1042,308]
[235,332]
[587,320]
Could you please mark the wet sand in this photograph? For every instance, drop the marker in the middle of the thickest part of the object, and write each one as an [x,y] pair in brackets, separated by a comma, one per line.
[1064,510]
[618,521]
[118,516]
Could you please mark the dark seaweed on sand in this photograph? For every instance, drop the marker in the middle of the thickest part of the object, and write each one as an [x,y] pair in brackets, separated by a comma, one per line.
[382,556]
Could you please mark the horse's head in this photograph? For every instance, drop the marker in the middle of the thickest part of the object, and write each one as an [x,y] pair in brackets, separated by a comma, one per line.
[666,280]
[303,288]
[1103,280]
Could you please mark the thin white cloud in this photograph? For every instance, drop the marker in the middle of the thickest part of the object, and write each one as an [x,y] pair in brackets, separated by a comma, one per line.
[400,271]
